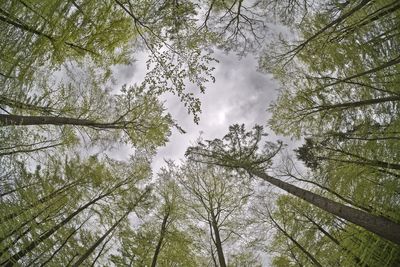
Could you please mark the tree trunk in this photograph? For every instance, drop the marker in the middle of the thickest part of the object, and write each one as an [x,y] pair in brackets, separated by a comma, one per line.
[64,243]
[308,254]
[381,226]
[104,236]
[366,162]
[160,240]
[27,28]
[334,240]
[218,242]
[99,241]
[39,201]
[356,104]
[17,120]
[32,245]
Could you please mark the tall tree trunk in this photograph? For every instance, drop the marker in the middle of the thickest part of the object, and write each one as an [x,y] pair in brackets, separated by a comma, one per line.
[344,199]
[298,245]
[64,243]
[99,241]
[17,120]
[17,188]
[160,239]
[32,245]
[218,242]
[20,25]
[338,20]
[104,236]
[39,201]
[381,226]
[356,104]
[334,240]
[366,162]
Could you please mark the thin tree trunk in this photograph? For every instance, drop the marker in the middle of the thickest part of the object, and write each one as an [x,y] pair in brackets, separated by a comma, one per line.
[344,199]
[64,243]
[218,242]
[160,239]
[17,120]
[22,105]
[308,254]
[104,236]
[16,189]
[31,220]
[356,104]
[366,162]
[381,226]
[52,39]
[32,245]
[334,240]
[338,20]
[38,202]
[99,241]
[29,150]
[388,64]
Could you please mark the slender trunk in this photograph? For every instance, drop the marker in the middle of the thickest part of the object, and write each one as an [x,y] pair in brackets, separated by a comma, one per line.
[29,150]
[160,239]
[338,20]
[101,251]
[334,240]
[295,258]
[17,120]
[381,226]
[308,254]
[356,104]
[104,236]
[100,240]
[27,28]
[344,199]
[64,243]
[388,64]
[22,105]
[30,228]
[367,162]
[19,228]
[218,242]
[32,245]
[17,188]
[38,202]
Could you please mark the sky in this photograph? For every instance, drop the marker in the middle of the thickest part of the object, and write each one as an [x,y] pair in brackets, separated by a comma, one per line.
[240,94]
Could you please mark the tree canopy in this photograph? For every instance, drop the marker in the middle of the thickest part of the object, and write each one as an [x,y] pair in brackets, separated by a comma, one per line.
[243,199]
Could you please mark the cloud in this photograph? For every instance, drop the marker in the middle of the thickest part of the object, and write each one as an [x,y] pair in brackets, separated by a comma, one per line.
[240,94]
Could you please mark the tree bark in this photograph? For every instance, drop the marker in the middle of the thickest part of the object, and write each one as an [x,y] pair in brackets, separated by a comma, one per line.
[32,245]
[39,201]
[308,254]
[160,239]
[64,243]
[356,104]
[104,236]
[381,226]
[19,120]
[218,242]
[99,241]
[334,240]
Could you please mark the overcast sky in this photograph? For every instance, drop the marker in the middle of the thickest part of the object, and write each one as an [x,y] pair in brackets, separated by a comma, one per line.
[241,94]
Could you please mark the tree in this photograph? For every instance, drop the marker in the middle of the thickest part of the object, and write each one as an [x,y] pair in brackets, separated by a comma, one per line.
[103,186]
[218,200]
[239,149]
[163,237]
[134,113]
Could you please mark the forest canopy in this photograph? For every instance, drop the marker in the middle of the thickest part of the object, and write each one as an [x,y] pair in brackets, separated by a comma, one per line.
[241,199]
